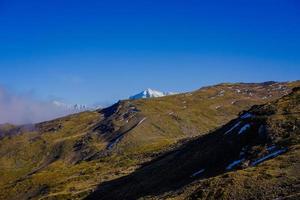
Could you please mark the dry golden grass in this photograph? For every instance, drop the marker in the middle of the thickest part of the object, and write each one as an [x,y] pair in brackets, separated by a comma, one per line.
[41,164]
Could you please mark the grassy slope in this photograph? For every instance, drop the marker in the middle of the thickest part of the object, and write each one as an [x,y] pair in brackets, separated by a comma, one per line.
[276,178]
[47,162]
[170,176]
[172,118]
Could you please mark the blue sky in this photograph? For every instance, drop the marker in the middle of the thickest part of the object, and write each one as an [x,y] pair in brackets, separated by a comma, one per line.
[100,51]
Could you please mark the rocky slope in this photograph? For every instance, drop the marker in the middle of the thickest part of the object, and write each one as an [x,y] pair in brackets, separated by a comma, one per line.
[262,143]
[68,157]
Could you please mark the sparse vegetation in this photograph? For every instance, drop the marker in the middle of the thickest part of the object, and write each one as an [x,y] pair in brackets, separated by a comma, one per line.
[68,158]
[198,169]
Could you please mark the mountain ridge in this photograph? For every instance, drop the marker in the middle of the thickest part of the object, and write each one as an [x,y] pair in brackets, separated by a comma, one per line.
[67,157]
[75,108]
[185,172]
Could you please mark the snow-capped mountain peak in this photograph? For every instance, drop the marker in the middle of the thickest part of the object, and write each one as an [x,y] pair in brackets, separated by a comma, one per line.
[150,93]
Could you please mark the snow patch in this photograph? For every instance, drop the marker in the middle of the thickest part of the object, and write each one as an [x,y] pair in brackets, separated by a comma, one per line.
[198,173]
[244,128]
[271,148]
[234,164]
[141,121]
[221,93]
[118,138]
[233,127]
[246,116]
[261,129]
[114,142]
[272,155]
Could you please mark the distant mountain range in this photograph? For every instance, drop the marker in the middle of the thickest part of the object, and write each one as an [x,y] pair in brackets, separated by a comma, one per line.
[150,93]
[227,141]
[74,108]
[256,153]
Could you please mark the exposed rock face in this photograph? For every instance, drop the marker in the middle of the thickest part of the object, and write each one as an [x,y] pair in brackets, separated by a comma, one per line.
[266,132]
[67,158]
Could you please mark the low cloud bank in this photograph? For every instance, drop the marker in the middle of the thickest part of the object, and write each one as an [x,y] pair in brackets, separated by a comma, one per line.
[24,109]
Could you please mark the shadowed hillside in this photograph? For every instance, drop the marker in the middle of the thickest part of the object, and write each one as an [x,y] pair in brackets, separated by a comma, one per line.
[68,157]
[255,156]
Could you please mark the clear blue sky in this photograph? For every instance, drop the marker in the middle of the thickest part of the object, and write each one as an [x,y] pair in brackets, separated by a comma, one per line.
[102,50]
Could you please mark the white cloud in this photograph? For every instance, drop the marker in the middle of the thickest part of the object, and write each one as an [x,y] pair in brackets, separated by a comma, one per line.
[23,109]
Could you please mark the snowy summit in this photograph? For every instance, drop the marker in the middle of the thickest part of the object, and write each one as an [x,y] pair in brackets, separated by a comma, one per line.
[150,93]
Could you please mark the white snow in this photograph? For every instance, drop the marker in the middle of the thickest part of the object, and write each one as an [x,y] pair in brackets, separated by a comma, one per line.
[150,93]
[271,148]
[234,163]
[118,139]
[246,116]
[272,155]
[114,142]
[130,117]
[261,129]
[221,93]
[142,121]
[244,128]
[198,173]
[232,128]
